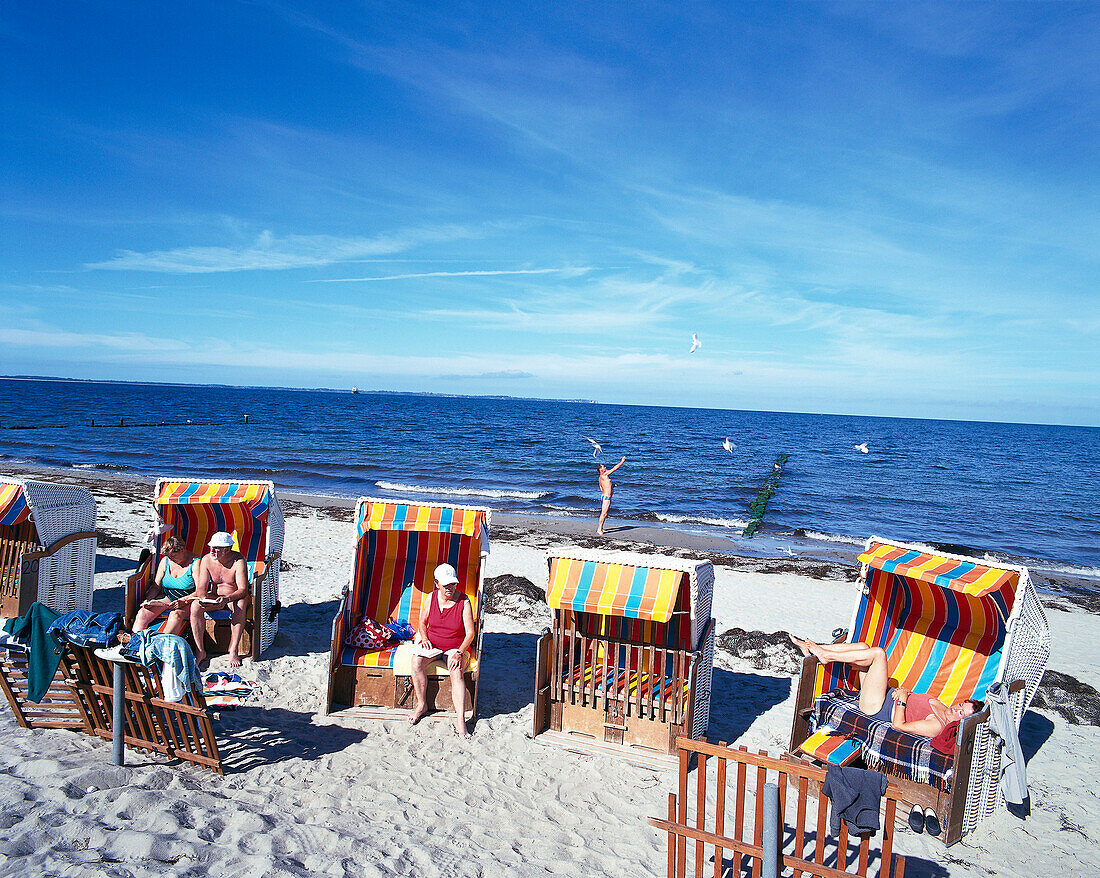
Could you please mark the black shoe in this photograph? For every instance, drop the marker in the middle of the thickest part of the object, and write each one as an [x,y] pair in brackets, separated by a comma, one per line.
[916,820]
[932,823]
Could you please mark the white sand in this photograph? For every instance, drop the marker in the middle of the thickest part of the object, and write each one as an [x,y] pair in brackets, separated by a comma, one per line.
[306,795]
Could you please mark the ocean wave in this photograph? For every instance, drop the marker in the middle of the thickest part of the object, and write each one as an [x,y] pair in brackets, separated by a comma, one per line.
[467,492]
[834,538]
[109,466]
[672,518]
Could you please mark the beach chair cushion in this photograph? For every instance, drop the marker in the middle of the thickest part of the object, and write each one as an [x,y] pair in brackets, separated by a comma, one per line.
[882,747]
[834,749]
[354,657]
[655,686]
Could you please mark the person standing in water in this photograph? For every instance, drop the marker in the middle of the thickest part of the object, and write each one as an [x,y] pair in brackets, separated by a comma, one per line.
[606,490]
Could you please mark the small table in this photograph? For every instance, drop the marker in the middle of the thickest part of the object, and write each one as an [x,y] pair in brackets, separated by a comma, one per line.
[118,704]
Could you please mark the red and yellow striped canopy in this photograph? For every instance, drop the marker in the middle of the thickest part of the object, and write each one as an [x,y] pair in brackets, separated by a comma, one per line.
[614,589]
[13,505]
[962,576]
[197,510]
[379,515]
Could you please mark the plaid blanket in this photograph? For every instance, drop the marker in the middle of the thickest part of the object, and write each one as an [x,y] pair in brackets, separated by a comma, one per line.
[882,747]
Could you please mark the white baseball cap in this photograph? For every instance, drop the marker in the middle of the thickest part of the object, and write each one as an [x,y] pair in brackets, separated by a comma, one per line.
[445,575]
[221,540]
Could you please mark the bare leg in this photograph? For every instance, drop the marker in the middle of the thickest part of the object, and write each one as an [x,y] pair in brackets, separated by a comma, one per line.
[603,516]
[177,622]
[145,617]
[874,675]
[420,688]
[458,696]
[236,630]
[198,630]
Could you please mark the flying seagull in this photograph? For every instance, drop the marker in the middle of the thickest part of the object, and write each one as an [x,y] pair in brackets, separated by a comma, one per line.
[695,343]
[597,448]
[729,446]
[862,447]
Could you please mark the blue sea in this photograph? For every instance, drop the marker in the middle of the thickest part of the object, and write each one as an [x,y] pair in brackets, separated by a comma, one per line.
[1020,492]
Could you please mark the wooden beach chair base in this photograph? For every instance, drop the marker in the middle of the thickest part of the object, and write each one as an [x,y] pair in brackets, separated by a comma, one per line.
[378,693]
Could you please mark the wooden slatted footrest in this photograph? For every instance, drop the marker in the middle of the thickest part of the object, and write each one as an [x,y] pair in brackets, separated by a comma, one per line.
[834,749]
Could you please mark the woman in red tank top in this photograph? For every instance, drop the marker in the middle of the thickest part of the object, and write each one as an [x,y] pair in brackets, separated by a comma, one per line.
[905,711]
[446,624]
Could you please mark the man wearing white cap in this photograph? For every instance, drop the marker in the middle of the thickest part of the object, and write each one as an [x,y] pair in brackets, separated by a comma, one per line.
[222,583]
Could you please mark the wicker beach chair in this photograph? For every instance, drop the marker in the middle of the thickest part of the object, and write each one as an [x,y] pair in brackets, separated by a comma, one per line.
[951,627]
[626,668]
[47,546]
[398,547]
[194,510]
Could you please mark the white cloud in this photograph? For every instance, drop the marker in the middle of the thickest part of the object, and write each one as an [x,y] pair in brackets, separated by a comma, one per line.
[568,272]
[271,253]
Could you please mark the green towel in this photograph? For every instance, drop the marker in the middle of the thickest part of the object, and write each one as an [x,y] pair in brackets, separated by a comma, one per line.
[44,654]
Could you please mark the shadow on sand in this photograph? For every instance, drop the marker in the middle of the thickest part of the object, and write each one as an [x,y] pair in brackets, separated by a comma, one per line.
[737,700]
[253,736]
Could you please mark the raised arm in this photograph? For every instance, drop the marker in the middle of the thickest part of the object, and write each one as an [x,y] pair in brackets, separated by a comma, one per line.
[616,466]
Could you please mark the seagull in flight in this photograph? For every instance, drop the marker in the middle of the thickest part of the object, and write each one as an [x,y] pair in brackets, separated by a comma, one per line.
[597,448]
[790,554]
[729,446]
[862,447]
[695,343]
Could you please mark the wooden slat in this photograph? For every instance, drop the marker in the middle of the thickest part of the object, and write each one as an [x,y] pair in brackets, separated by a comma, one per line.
[681,816]
[700,807]
[739,808]
[842,846]
[671,835]
[758,819]
[800,823]
[720,816]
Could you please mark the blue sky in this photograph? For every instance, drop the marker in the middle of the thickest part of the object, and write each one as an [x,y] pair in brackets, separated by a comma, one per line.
[865,208]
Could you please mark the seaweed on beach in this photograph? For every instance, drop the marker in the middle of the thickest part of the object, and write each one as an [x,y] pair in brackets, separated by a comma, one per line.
[1078,703]
[514,596]
[768,652]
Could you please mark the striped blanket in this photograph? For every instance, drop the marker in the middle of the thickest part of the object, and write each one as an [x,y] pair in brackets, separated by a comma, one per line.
[882,747]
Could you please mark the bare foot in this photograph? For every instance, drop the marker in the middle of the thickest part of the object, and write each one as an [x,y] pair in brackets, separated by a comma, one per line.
[806,646]
[417,716]
[234,660]
[599,533]
[460,728]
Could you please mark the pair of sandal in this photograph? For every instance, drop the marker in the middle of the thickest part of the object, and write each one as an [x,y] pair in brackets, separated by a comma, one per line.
[924,820]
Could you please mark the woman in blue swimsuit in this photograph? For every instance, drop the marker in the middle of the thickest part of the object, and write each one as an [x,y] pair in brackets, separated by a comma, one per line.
[173,590]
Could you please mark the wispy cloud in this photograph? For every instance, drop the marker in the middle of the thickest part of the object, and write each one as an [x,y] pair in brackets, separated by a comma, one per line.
[568,272]
[504,374]
[271,253]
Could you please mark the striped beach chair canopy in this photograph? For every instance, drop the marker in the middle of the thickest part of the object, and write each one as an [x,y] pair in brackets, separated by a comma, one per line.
[197,509]
[652,599]
[943,620]
[398,548]
[14,509]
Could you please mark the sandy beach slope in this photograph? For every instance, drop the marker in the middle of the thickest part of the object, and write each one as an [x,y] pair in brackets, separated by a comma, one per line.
[306,795]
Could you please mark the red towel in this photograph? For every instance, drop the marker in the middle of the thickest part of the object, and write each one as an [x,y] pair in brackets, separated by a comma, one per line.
[945,740]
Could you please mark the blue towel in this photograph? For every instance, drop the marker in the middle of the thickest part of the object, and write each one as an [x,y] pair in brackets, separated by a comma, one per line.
[179,673]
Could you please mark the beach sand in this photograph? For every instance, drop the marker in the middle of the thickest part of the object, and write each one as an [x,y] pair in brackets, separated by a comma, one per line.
[310,795]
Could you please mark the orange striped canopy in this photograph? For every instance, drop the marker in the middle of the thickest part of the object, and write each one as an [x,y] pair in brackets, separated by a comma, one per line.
[197,510]
[380,515]
[611,589]
[942,622]
[397,552]
[965,576]
[13,504]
